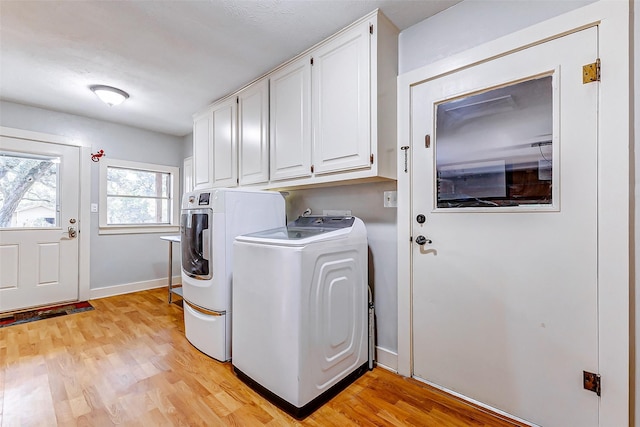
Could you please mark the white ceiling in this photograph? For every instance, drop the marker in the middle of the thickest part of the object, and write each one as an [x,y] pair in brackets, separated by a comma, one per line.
[172,57]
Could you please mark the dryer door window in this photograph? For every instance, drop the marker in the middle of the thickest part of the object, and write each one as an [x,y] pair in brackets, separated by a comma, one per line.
[195,238]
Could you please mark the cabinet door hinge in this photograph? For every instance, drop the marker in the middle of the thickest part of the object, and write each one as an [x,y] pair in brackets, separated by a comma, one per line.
[371,158]
[311,60]
[311,168]
[591,72]
[370,28]
[591,382]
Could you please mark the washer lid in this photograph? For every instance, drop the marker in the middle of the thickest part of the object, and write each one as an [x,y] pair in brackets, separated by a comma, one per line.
[303,230]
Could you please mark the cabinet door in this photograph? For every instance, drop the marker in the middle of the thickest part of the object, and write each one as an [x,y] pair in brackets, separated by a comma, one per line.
[341,102]
[202,153]
[290,121]
[225,158]
[253,133]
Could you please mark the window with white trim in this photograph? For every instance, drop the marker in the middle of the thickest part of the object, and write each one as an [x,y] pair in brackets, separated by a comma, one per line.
[138,197]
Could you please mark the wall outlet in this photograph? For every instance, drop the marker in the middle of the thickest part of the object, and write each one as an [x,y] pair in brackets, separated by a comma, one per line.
[390,199]
[336,212]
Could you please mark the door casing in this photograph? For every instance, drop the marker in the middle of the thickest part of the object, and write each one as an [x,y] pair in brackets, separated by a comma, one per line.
[612,19]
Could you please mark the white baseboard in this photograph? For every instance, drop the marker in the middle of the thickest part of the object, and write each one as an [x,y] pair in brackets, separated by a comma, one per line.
[128,288]
[387,359]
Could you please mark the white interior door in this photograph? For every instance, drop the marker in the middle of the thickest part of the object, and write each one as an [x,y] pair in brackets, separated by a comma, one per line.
[504,206]
[39,185]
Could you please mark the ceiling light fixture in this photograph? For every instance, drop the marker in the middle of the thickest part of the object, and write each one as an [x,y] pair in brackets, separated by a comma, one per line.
[109,95]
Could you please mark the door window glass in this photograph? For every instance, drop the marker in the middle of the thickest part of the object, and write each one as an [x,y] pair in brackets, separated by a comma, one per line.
[495,148]
[28,190]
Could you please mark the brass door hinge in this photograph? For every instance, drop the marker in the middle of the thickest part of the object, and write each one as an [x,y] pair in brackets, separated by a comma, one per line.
[311,168]
[591,72]
[371,29]
[591,382]
[371,158]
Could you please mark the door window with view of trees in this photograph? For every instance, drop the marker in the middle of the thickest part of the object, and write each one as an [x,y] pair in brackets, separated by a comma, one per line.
[28,190]
[138,196]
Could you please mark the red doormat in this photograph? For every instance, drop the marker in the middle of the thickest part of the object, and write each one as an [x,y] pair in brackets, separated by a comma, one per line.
[43,313]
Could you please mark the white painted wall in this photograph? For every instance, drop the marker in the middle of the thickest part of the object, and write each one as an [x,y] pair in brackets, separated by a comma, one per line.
[115,259]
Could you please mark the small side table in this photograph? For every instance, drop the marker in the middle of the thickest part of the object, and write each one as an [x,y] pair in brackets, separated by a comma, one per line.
[170,288]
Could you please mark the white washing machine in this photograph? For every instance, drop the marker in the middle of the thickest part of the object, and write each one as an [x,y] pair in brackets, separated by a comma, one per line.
[300,303]
[210,221]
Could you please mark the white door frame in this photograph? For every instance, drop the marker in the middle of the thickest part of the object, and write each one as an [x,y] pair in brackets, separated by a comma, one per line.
[612,17]
[84,220]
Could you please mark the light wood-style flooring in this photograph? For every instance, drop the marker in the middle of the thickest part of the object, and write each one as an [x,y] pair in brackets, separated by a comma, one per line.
[128,363]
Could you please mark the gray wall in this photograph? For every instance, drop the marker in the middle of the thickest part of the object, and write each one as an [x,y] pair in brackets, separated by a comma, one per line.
[472,23]
[187,145]
[365,201]
[115,259]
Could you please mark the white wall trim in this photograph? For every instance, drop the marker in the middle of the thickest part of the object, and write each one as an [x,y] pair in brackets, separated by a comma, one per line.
[612,17]
[387,359]
[84,225]
[42,137]
[128,288]
[175,196]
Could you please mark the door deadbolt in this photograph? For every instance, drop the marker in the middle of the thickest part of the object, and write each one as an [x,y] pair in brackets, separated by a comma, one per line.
[421,219]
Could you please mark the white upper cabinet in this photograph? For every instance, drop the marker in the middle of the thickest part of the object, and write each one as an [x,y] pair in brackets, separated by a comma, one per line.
[253,133]
[341,93]
[290,120]
[224,143]
[202,154]
[331,116]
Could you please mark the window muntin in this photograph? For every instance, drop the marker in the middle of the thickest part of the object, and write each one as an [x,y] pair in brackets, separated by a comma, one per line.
[29,190]
[495,148]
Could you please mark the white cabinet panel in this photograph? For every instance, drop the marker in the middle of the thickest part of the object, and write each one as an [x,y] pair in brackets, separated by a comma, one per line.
[290,119]
[225,170]
[341,102]
[253,133]
[202,154]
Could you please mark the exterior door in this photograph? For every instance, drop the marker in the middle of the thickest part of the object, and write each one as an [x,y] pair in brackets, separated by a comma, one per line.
[504,223]
[39,186]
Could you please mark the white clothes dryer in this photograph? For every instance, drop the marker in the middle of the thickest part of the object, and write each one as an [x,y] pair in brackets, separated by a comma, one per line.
[210,221]
[300,310]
